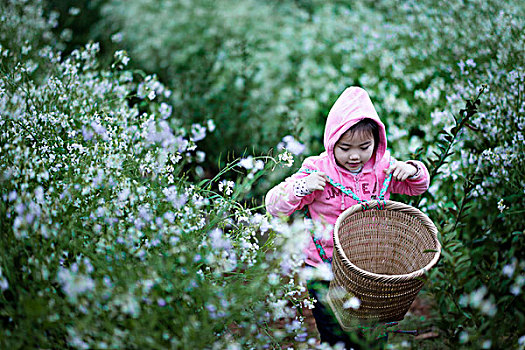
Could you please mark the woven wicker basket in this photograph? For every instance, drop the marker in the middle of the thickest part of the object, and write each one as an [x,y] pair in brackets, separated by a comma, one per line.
[381,257]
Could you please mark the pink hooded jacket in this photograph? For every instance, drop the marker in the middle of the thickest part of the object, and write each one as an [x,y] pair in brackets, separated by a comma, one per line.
[325,206]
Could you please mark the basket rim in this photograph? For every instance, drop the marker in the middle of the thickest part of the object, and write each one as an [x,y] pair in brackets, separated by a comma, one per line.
[393,206]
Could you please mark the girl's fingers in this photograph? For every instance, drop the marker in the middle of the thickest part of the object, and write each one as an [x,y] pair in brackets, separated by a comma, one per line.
[391,168]
[396,173]
[316,181]
[318,187]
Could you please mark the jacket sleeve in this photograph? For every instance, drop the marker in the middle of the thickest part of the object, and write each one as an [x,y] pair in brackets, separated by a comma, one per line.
[281,200]
[415,185]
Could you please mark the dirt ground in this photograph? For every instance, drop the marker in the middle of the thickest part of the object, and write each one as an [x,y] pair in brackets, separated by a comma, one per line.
[419,308]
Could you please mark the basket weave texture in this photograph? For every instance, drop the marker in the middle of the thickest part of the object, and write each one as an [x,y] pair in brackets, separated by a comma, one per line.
[381,257]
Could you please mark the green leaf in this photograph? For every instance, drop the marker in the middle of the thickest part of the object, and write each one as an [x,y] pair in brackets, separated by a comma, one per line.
[202,182]
[466,315]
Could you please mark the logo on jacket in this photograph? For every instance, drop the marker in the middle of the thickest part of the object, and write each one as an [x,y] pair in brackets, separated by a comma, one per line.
[332,192]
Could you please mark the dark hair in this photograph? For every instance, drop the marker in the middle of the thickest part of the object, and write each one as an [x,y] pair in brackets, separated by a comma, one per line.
[366,125]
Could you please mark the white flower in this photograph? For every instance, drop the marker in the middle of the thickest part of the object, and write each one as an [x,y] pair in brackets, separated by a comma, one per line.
[463,337]
[259,164]
[508,270]
[200,156]
[218,240]
[73,11]
[4,284]
[273,279]
[198,132]
[122,57]
[322,272]
[292,145]
[116,38]
[489,308]
[476,297]
[165,110]
[211,125]
[501,206]
[515,289]
[226,186]
[234,346]
[521,340]
[246,163]
[287,158]
[353,303]
[74,284]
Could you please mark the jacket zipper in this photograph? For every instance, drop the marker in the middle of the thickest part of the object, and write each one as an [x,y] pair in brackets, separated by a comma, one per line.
[357,188]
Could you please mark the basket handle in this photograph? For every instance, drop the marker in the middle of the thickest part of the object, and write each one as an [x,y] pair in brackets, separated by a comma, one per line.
[365,204]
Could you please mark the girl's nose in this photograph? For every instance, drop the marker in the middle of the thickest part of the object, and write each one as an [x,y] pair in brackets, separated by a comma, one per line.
[354,156]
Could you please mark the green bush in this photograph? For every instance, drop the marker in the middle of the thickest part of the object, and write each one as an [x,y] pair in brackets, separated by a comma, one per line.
[90,153]
[478,199]
[104,242]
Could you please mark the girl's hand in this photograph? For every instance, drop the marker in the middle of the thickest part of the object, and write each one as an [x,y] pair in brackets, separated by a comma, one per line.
[316,181]
[401,170]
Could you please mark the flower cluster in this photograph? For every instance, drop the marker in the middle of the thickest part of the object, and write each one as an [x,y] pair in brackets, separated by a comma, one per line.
[290,144]
[287,158]
[94,161]
[226,187]
[102,228]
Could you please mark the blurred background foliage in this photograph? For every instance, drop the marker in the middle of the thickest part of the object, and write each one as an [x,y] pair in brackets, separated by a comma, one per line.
[264,69]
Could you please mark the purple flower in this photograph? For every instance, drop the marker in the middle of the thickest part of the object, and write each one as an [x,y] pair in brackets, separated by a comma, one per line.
[218,241]
[145,214]
[87,134]
[182,144]
[165,136]
[100,130]
[12,196]
[172,196]
[20,208]
[211,307]
[124,194]
[292,145]
[198,132]
[169,216]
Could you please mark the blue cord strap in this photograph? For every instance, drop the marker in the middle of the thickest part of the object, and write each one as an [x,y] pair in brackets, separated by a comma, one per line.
[349,192]
[365,204]
[317,241]
[343,189]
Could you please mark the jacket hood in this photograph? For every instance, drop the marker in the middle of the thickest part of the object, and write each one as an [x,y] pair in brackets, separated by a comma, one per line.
[352,106]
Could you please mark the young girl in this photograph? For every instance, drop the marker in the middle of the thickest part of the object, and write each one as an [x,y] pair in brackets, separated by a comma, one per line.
[356,157]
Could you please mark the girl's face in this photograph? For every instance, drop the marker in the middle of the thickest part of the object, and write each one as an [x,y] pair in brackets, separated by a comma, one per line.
[353,150]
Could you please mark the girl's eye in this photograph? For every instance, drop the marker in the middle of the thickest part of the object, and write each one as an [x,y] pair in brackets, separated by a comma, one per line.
[344,149]
[365,148]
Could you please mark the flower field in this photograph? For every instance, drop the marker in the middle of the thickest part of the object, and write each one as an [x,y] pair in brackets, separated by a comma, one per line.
[138,139]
